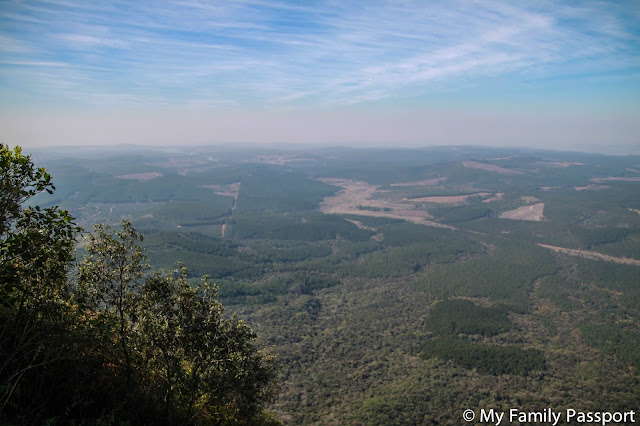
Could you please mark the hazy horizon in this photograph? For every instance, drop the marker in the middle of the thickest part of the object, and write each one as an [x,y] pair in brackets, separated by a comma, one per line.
[550,75]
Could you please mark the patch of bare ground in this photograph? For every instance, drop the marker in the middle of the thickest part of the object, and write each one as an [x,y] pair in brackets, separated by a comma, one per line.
[560,163]
[590,187]
[633,170]
[281,160]
[496,197]
[533,212]
[426,182]
[547,188]
[490,168]
[635,210]
[529,199]
[622,178]
[378,236]
[500,158]
[141,177]
[230,190]
[449,199]
[592,255]
[358,193]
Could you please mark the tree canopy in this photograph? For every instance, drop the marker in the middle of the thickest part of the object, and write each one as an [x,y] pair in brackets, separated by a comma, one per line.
[108,340]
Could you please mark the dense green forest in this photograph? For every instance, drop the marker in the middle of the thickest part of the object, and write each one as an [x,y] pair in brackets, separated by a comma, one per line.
[392,286]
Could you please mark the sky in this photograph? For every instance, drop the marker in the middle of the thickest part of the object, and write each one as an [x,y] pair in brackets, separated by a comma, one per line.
[549,74]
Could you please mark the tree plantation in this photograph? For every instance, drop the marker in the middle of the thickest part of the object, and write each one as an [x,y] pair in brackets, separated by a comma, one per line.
[378,286]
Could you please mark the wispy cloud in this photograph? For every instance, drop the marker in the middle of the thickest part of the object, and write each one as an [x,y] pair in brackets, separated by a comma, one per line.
[84,41]
[27,63]
[279,53]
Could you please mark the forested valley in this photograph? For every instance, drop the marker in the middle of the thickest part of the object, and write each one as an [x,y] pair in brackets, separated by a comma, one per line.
[360,286]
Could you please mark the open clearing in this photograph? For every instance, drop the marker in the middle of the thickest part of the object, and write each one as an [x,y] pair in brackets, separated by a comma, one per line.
[590,187]
[533,212]
[449,199]
[281,160]
[230,190]
[358,193]
[141,177]
[426,182]
[496,197]
[490,168]
[560,163]
[353,194]
[592,255]
[622,178]
[529,199]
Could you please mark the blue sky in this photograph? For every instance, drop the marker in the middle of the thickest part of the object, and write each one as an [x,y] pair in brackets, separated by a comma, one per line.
[338,72]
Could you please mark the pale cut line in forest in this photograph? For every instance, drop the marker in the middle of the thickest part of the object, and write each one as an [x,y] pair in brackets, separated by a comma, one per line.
[592,255]
[229,190]
[490,168]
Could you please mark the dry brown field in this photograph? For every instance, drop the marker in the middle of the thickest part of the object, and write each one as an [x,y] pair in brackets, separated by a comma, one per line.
[490,168]
[533,212]
[426,182]
[449,199]
[590,187]
[141,177]
[621,178]
[282,159]
[358,193]
[560,164]
[529,199]
[496,197]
